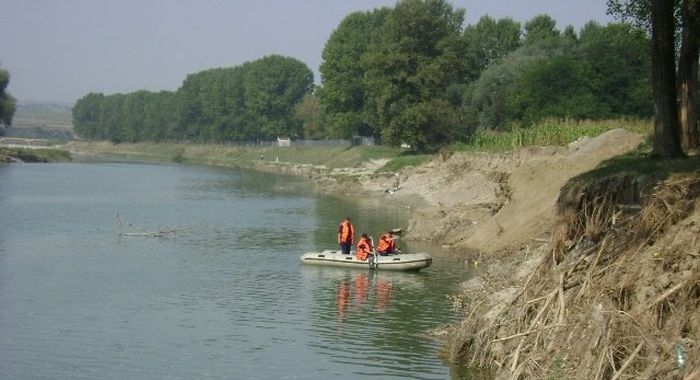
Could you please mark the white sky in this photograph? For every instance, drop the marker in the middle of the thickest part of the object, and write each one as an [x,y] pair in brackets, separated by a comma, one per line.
[60,50]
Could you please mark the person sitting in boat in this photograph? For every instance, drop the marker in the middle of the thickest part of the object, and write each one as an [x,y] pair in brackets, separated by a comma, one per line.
[346,236]
[387,244]
[364,247]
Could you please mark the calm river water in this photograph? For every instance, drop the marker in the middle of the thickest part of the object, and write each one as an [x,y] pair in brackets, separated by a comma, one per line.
[222,298]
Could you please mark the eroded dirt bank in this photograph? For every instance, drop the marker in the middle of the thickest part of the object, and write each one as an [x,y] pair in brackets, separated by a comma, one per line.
[605,285]
[496,203]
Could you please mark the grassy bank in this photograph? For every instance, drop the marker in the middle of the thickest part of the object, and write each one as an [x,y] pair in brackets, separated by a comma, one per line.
[230,155]
[34,154]
[546,133]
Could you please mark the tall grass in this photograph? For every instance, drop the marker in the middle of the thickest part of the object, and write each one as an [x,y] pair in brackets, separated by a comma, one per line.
[548,133]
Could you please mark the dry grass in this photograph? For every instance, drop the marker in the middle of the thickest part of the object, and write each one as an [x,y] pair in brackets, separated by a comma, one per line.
[616,295]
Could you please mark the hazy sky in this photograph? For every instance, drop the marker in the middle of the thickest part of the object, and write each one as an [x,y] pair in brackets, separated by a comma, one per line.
[60,50]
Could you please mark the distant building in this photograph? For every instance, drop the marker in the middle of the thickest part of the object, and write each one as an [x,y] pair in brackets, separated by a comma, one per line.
[284,141]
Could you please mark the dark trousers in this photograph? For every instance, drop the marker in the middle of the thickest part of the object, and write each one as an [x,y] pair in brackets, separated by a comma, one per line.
[345,249]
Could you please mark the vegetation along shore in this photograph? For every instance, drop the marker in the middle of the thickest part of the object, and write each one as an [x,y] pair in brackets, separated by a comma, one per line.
[585,248]
[562,164]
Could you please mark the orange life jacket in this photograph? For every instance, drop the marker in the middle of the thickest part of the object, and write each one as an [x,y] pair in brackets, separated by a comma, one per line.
[361,288]
[346,233]
[364,248]
[386,244]
[342,299]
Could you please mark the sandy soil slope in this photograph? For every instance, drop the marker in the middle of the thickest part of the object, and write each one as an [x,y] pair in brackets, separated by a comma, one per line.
[496,203]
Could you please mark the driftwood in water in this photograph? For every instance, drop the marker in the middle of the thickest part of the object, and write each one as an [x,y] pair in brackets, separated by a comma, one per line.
[139,231]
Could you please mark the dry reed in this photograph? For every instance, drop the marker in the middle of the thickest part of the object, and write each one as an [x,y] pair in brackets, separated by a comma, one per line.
[616,296]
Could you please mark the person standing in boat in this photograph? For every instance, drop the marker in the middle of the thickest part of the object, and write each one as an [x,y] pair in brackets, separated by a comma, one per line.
[387,244]
[346,235]
[364,247]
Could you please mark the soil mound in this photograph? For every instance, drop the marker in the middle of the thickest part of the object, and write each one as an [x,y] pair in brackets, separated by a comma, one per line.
[592,281]
[500,203]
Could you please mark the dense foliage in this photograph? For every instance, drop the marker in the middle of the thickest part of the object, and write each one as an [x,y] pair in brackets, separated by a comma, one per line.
[603,73]
[256,100]
[343,92]
[412,74]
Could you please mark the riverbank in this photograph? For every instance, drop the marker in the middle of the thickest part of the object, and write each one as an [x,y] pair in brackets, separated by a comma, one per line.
[33,154]
[592,266]
[587,253]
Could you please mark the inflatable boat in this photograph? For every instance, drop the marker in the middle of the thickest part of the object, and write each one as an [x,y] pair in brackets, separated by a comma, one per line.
[401,262]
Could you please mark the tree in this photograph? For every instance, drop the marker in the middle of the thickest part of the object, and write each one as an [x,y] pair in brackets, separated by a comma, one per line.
[251,101]
[666,128]
[210,103]
[660,19]
[620,68]
[540,28]
[132,124]
[313,118]
[558,87]
[159,118]
[7,102]
[688,72]
[274,85]
[493,102]
[411,71]
[343,94]
[488,42]
[86,116]
[111,116]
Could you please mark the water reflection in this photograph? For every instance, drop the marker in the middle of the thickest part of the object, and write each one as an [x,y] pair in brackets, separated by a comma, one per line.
[239,183]
[353,293]
[376,317]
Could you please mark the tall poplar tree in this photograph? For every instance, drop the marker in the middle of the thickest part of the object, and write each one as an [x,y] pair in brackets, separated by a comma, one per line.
[411,71]
[344,94]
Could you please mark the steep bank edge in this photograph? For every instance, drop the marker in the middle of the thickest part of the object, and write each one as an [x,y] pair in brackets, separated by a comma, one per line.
[614,295]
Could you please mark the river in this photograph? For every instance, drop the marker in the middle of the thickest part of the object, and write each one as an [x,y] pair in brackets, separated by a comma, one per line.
[222,295]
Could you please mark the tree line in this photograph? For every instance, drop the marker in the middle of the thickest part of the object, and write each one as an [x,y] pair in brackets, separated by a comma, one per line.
[413,74]
[410,74]
[252,101]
